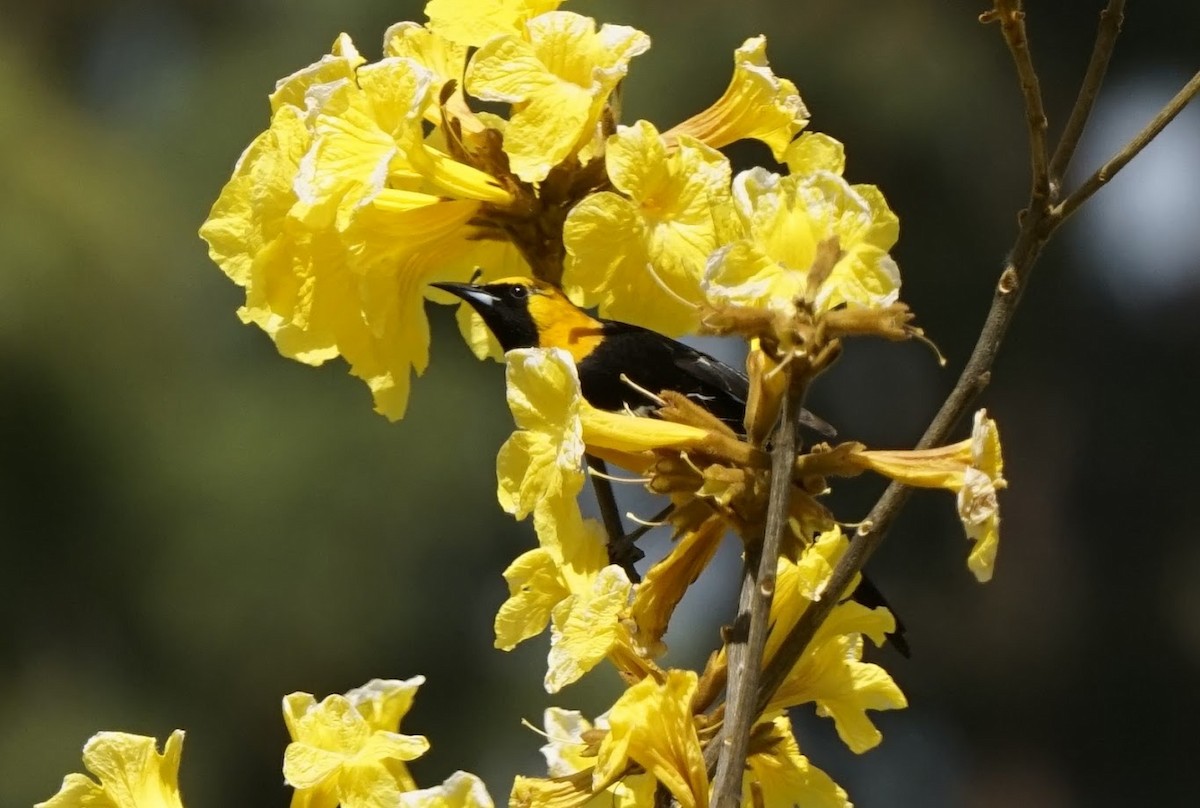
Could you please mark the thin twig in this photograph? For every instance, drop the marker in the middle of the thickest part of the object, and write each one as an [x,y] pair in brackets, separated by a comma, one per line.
[1111,19]
[1011,16]
[621,551]
[749,633]
[1119,160]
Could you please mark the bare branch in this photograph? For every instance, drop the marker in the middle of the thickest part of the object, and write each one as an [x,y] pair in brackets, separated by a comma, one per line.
[745,652]
[1111,19]
[1011,16]
[1130,150]
[973,380]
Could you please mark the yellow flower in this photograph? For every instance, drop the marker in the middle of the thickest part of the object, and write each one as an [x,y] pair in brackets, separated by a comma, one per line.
[346,749]
[568,584]
[566,745]
[384,702]
[756,104]
[785,777]
[445,60]
[571,556]
[832,675]
[972,469]
[623,248]
[339,215]
[652,725]
[785,219]
[831,672]
[543,459]
[665,584]
[474,22]
[802,581]
[585,626]
[555,792]
[535,587]
[557,72]
[131,772]
[571,750]
[460,790]
[815,152]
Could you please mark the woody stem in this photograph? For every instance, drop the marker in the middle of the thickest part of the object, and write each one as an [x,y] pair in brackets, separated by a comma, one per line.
[748,635]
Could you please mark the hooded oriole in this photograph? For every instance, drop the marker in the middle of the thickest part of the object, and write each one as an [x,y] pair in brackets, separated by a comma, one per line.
[528,313]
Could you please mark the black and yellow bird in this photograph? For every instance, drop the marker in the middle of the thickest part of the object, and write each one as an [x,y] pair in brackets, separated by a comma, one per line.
[610,355]
[527,313]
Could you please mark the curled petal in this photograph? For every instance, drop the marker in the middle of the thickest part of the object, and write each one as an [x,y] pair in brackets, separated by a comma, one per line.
[757,104]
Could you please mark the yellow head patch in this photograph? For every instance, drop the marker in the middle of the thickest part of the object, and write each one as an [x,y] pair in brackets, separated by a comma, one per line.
[559,322]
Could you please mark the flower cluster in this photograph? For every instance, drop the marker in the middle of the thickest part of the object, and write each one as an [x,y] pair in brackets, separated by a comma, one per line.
[346,750]
[377,178]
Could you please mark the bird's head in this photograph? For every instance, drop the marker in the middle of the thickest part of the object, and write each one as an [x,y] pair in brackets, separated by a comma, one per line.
[521,312]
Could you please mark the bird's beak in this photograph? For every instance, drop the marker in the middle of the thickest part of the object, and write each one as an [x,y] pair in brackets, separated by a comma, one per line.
[477,296]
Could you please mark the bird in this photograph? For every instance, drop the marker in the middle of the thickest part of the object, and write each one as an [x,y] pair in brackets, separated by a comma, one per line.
[619,363]
[529,313]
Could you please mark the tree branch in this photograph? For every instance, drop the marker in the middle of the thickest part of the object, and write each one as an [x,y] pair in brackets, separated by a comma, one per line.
[1111,19]
[745,652]
[1036,226]
[1119,160]
[1011,16]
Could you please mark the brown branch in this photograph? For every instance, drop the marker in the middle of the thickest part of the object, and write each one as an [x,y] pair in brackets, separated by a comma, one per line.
[1111,19]
[1011,16]
[1119,160]
[749,633]
[973,380]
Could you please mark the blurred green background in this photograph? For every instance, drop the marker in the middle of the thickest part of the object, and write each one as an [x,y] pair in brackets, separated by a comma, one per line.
[193,527]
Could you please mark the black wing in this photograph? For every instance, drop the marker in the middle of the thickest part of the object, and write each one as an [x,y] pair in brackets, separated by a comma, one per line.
[656,363]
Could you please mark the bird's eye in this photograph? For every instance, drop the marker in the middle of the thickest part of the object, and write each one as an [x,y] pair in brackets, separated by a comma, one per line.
[520,292]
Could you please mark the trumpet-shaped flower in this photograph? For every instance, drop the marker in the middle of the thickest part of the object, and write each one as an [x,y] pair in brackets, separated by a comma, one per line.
[131,772]
[346,749]
[783,776]
[972,469]
[757,104]
[652,725]
[558,73]
[585,626]
[474,22]
[639,254]
[535,587]
[831,672]
[571,557]
[566,747]
[445,60]
[459,790]
[543,459]
[667,582]
[570,754]
[786,219]
[568,584]
[339,215]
